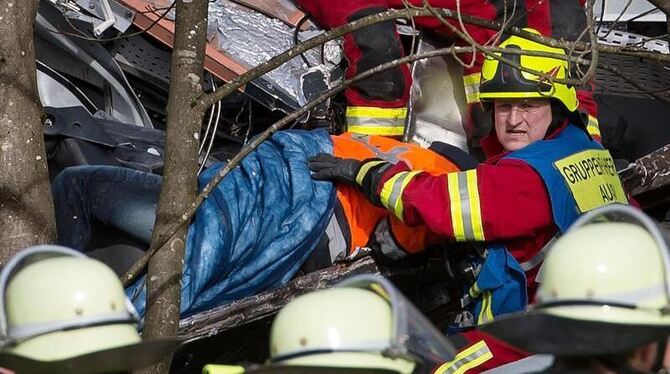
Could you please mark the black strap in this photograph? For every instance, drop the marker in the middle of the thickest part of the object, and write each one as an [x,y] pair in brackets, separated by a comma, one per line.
[462,159]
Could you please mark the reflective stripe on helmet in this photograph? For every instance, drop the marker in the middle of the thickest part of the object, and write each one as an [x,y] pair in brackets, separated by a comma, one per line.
[466,213]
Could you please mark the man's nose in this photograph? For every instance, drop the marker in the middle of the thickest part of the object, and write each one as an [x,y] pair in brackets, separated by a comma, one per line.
[515,115]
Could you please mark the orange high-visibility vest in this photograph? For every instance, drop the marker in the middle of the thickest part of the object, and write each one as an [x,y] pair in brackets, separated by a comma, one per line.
[361,215]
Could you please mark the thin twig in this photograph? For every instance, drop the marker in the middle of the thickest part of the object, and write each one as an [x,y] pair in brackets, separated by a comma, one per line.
[594,43]
[618,17]
[466,37]
[414,31]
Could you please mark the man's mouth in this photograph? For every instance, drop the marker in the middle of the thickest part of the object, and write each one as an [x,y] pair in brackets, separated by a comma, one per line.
[516,132]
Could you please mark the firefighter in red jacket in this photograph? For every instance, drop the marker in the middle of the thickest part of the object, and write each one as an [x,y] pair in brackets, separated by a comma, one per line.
[544,170]
[377,105]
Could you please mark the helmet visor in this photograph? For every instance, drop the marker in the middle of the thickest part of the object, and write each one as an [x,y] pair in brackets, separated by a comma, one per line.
[413,336]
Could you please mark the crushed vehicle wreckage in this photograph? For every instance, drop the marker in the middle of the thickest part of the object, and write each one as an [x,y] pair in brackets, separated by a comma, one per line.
[105,104]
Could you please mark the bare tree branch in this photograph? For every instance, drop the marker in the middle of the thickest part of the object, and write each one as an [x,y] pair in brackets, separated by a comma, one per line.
[26,207]
[180,184]
[594,43]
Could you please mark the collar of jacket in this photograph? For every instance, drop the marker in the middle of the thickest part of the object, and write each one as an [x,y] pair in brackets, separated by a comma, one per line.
[494,151]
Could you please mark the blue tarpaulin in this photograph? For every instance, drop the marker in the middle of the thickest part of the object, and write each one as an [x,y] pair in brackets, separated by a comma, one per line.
[257,227]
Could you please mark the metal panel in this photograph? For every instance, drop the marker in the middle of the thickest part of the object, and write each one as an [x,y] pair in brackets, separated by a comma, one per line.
[614,7]
[653,76]
[622,38]
[437,101]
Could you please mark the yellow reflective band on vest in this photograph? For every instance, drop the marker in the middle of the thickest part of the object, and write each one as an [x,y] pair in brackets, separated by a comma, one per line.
[593,127]
[471,85]
[474,291]
[391,193]
[486,314]
[471,357]
[365,169]
[376,121]
[592,179]
[466,215]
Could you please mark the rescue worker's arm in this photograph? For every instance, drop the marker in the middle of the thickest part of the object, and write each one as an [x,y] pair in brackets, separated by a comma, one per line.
[490,202]
[508,200]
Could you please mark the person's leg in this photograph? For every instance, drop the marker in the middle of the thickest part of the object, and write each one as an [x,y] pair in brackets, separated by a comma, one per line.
[120,197]
[376,105]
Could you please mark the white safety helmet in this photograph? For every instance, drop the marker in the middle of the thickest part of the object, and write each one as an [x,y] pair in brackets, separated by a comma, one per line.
[604,290]
[61,312]
[365,322]
[362,325]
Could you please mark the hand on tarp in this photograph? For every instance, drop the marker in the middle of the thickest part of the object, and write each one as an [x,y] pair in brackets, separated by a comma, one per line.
[328,167]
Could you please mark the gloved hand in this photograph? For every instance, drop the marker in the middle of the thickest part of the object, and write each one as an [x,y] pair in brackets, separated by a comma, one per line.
[328,167]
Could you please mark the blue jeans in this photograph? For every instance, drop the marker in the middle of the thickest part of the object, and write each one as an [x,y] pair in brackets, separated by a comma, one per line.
[123,198]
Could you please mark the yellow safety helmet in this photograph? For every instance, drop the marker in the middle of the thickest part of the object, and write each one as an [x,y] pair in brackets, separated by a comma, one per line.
[502,81]
[604,289]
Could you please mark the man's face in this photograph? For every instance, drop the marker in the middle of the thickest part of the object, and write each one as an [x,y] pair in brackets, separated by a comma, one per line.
[519,122]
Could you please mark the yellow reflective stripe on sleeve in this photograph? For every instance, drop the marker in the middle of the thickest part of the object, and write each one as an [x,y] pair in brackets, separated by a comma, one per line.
[376,121]
[466,215]
[365,169]
[475,208]
[471,85]
[469,358]
[486,314]
[593,127]
[455,201]
[391,193]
